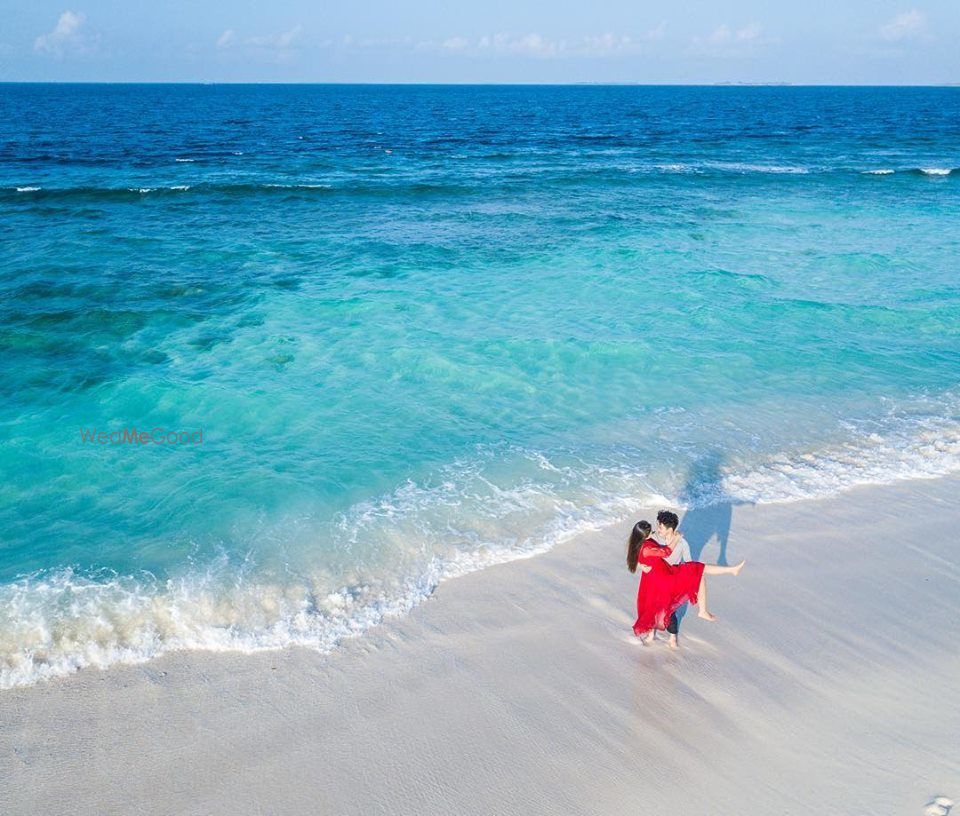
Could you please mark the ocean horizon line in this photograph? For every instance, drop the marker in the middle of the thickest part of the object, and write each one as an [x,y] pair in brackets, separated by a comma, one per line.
[610,84]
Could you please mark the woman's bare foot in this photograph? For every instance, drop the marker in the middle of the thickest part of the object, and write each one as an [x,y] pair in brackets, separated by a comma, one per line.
[706,615]
[736,569]
[672,643]
[648,638]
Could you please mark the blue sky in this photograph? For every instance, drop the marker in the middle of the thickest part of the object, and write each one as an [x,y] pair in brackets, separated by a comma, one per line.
[852,42]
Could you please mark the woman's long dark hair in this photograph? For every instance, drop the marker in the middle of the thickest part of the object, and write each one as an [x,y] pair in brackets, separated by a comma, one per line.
[640,533]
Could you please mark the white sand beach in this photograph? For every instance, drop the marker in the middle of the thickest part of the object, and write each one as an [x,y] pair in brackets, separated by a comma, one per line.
[828,685]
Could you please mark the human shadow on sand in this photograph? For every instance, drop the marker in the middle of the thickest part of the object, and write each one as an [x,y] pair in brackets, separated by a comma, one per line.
[710,513]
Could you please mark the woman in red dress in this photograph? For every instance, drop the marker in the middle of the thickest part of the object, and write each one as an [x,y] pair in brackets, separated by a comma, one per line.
[665,587]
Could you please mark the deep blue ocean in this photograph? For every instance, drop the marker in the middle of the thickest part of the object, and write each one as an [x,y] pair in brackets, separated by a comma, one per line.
[379,336]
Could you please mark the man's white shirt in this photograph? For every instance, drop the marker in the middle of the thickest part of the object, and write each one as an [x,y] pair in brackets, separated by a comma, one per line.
[680,553]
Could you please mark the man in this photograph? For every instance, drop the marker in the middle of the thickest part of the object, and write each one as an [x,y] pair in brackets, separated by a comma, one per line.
[668,535]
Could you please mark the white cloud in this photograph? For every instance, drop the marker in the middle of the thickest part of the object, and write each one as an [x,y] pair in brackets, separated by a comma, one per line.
[724,34]
[730,41]
[721,34]
[657,32]
[904,26]
[383,42]
[531,45]
[67,35]
[539,46]
[278,41]
[279,47]
[608,43]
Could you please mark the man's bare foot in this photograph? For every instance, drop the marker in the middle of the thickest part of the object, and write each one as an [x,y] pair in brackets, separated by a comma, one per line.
[672,643]
[736,569]
[706,615]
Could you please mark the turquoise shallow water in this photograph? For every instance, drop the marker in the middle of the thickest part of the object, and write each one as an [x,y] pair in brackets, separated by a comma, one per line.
[425,329]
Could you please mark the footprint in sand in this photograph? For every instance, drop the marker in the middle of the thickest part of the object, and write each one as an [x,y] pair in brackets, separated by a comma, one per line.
[938,807]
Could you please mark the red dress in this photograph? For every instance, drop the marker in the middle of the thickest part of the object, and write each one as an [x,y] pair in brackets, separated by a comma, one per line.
[665,588]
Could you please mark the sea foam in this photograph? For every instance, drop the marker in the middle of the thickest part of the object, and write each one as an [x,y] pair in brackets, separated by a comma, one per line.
[57,622]
[472,515]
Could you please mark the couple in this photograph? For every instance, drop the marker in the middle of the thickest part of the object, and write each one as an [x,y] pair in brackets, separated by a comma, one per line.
[670,579]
